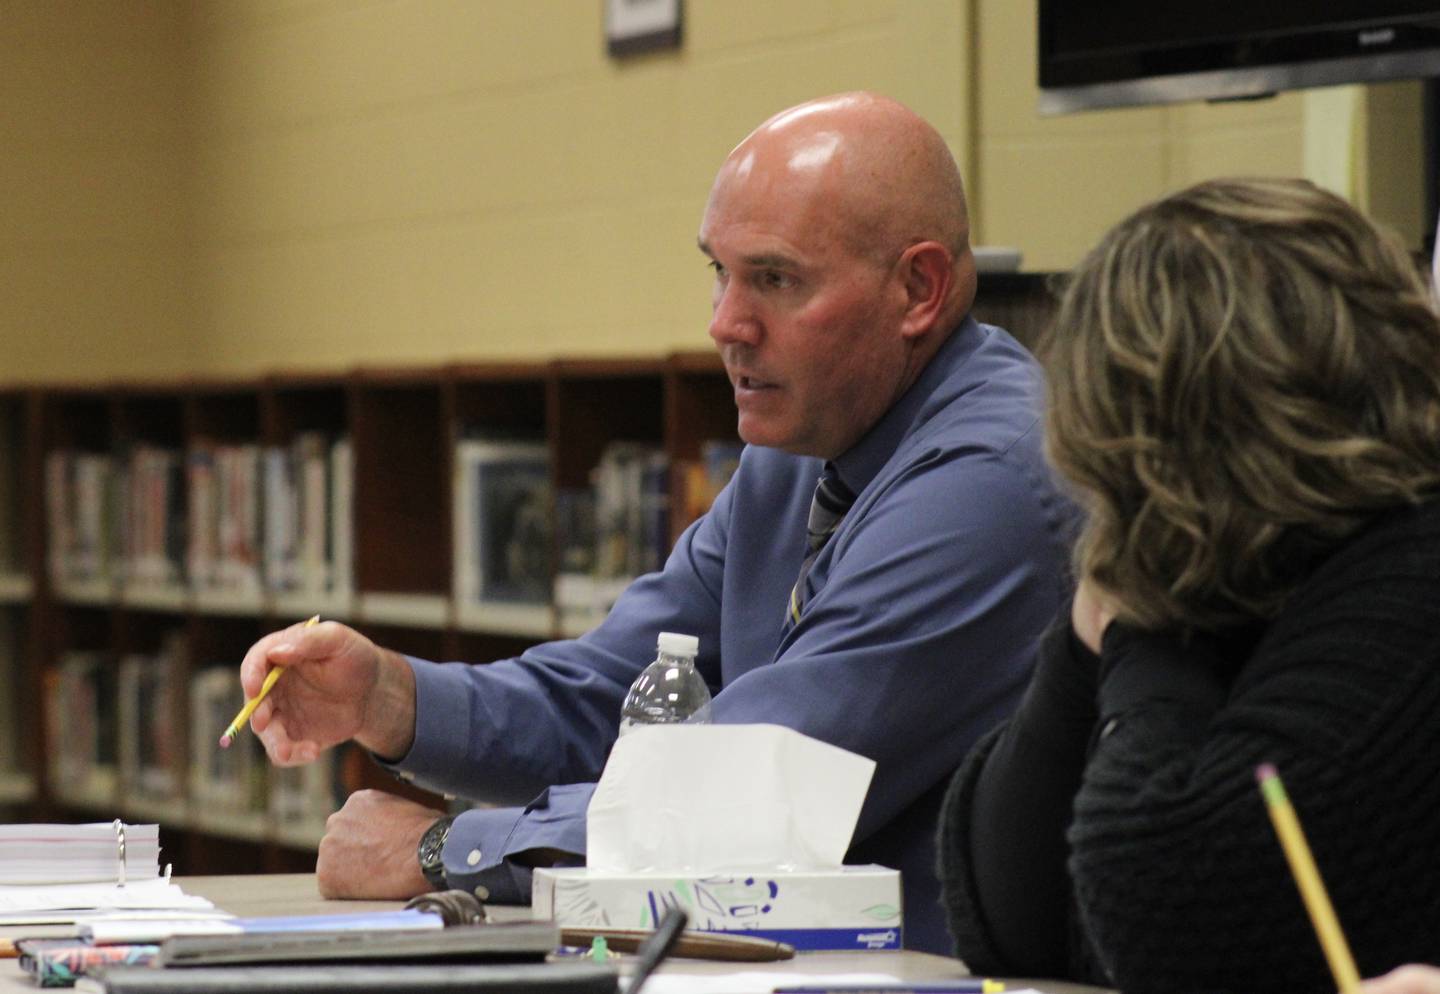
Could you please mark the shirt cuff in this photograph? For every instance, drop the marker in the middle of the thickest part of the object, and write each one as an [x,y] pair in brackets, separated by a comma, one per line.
[442,701]
[480,852]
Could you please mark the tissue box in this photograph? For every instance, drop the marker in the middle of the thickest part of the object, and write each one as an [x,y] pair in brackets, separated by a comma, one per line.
[849,907]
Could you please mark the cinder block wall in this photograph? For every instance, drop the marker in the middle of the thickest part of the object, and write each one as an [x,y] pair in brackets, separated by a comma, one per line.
[221,187]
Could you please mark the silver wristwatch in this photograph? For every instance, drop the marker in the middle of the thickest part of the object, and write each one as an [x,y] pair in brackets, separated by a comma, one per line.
[431,850]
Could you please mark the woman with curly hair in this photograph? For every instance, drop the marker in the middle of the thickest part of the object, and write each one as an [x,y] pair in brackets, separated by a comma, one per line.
[1245,394]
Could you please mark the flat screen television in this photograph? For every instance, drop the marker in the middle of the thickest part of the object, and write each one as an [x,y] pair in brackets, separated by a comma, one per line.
[1113,53]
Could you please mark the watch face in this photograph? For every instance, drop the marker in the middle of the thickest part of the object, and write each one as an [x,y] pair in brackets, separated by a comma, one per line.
[432,845]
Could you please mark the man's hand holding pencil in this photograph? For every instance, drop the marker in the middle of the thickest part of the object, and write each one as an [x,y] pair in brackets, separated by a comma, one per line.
[338,685]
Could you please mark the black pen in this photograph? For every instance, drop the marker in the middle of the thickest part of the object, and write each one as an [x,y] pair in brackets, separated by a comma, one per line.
[657,947]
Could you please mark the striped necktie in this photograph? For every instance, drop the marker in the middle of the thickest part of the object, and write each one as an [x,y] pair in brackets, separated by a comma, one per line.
[832,499]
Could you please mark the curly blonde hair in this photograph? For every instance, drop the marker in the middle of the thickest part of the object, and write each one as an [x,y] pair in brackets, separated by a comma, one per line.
[1240,375]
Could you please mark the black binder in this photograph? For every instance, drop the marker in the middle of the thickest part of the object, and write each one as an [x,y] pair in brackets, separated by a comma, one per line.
[508,942]
[509,978]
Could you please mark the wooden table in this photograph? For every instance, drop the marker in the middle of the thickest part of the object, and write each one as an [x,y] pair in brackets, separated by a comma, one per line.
[296,894]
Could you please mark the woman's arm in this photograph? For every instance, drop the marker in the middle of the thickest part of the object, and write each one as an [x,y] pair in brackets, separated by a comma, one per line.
[1180,882]
[1002,846]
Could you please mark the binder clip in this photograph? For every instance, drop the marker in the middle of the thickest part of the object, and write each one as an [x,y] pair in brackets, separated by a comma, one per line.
[119,852]
[455,907]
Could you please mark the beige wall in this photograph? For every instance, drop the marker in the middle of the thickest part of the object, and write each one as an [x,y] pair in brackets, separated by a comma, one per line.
[230,186]
[93,194]
[1052,185]
[398,182]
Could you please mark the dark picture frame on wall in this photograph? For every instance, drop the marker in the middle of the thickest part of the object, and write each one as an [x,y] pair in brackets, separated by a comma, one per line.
[634,26]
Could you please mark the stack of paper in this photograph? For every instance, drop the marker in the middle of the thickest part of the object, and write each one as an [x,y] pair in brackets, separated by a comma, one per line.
[68,873]
[59,854]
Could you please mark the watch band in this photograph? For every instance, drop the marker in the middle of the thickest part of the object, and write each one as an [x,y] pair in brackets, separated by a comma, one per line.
[431,852]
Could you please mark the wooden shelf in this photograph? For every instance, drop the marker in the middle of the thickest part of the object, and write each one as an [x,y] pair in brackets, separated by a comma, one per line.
[242,605]
[16,588]
[301,836]
[409,610]
[248,827]
[402,427]
[392,572]
[171,814]
[96,792]
[96,593]
[170,597]
[298,607]
[537,621]
[16,787]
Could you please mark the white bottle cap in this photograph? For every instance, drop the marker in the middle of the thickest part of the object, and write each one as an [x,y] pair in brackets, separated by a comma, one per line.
[679,645]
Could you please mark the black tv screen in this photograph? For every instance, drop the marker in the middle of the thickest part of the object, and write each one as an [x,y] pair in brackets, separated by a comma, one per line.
[1113,53]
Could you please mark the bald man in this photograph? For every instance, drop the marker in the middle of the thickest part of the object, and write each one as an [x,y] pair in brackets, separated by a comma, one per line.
[837,233]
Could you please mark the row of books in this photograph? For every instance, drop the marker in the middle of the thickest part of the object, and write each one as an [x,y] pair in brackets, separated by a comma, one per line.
[242,521]
[237,788]
[217,518]
[603,535]
[117,731]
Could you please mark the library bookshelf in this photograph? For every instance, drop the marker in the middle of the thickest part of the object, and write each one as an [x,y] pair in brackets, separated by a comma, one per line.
[143,548]
[150,532]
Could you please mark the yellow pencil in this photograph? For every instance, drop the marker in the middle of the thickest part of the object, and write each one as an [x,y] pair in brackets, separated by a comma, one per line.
[271,679]
[1307,879]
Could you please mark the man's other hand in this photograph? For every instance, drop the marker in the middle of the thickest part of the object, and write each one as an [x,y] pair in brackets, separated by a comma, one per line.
[371,848]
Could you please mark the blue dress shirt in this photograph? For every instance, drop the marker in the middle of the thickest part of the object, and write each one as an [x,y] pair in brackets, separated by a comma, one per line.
[917,634]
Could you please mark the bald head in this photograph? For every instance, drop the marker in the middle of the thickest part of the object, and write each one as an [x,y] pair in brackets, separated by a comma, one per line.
[882,174]
[838,238]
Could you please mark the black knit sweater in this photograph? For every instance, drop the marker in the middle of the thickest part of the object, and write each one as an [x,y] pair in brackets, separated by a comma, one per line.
[1112,831]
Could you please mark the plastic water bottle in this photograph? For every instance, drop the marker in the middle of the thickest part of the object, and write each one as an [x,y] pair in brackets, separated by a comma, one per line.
[669,690]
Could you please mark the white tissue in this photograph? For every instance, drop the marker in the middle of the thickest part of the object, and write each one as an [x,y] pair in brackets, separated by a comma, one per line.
[718,798]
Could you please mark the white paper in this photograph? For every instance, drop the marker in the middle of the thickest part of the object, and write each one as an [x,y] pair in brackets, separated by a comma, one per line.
[55,854]
[111,929]
[714,798]
[72,902]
